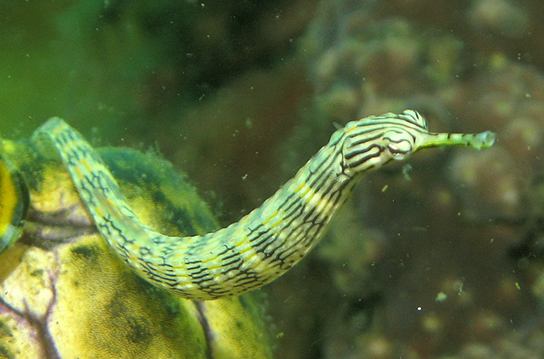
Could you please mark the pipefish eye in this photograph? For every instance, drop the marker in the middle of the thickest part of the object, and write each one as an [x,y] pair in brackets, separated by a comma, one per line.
[399,150]
[399,144]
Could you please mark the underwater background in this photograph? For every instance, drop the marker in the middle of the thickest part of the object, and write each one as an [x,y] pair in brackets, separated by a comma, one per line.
[441,256]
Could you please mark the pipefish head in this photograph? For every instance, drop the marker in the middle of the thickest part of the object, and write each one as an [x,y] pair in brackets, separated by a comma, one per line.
[374,141]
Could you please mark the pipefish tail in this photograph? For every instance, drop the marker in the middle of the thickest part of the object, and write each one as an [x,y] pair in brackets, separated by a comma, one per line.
[272,238]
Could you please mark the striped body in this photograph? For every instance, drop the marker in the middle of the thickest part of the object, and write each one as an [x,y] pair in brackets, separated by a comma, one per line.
[272,238]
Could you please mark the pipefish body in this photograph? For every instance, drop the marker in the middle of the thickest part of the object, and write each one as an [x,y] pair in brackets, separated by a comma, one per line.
[267,242]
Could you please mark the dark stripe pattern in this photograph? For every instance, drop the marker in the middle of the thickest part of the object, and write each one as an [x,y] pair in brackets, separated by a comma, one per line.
[272,238]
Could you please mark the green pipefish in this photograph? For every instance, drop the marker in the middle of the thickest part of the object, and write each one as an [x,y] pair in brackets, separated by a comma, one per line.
[272,238]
